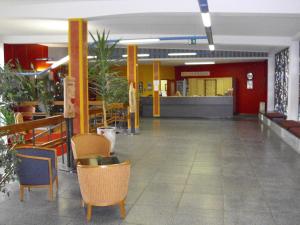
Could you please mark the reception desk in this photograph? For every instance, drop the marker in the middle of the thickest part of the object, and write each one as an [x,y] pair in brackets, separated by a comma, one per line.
[190,107]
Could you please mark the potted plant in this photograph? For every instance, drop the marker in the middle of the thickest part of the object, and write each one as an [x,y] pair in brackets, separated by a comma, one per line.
[45,95]
[8,159]
[23,89]
[8,163]
[105,81]
[16,89]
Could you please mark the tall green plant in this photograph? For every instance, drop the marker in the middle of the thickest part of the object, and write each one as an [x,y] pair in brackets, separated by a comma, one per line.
[14,88]
[8,165]
[6,114]
[104,80]
[45,94]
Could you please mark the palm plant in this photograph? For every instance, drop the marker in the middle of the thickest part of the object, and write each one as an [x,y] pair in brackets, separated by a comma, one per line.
[104,80]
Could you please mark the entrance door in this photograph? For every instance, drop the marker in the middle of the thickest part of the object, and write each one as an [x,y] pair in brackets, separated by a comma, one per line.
[171,88]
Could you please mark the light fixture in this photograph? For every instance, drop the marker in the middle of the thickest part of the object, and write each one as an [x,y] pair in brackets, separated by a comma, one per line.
[143,55]
[41,59]
[206,19]
[139,55]
[139,41]
[211,47]
[182,53]
[199,63]
[59,62]
[64,60]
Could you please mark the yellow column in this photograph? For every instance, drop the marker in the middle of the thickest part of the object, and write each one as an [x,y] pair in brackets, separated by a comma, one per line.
[156,89]
[132,78]
[78,69]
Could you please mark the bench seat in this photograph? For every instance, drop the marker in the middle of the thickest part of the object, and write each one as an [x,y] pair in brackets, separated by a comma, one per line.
[288,124]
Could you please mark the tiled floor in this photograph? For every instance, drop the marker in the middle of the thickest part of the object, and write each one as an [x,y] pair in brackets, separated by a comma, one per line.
[185,172]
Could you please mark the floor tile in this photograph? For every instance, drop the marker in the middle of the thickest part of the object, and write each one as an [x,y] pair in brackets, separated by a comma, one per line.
[202,201]
[228,172]
[150,215]
[242,218]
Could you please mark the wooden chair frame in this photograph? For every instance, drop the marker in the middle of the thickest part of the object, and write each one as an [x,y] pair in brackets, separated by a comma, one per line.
[50,185]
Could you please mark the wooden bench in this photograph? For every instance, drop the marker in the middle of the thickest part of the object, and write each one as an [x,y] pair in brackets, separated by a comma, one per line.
[287,130]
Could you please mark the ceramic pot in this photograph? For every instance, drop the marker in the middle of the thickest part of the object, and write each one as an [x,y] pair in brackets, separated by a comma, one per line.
[110,133]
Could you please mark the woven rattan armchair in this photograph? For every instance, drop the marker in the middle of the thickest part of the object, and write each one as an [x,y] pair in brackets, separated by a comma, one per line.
[90,145]
[104,185]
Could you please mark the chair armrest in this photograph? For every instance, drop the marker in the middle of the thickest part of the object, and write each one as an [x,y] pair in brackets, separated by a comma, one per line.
[53,155]
[33,157]
[39,152]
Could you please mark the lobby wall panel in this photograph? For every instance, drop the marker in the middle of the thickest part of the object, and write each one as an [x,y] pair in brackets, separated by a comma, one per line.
[26,54]
[247,100]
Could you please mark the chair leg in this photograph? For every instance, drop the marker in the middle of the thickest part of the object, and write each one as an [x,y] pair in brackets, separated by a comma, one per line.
[56,181]
[21,192]
[50,195]
[122,209]
[89,212]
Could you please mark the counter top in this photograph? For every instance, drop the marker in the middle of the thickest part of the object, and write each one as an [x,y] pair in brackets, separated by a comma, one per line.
[191,100]
[194,106]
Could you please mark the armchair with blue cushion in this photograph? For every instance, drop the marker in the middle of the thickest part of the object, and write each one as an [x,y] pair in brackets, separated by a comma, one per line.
[37,168]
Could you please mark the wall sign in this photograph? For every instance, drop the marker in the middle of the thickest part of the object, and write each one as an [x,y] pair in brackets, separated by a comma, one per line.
[69,97]
[156,85]
[195,74]
[250,80]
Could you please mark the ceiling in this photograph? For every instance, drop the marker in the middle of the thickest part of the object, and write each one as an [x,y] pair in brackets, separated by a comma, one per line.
[179,62]
[237,25]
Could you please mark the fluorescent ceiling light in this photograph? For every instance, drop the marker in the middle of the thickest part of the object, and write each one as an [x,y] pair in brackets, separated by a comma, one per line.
[64,60]
[211,47]
[181,53]
[139,55]
[143,55]
[206,19]
[139,41]
[59,62]
[199,63]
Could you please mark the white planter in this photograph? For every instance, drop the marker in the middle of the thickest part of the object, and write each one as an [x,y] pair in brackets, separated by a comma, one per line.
[110,133]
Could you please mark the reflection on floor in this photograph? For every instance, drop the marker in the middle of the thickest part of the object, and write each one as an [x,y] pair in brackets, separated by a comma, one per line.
[185,172]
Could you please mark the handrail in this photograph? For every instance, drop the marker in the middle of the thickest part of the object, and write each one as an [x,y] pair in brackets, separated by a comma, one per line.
[61,103]
[30,125]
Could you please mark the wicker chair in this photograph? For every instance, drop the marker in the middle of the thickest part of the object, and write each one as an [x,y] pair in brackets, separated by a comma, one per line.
[37,168]
[104,185]
[90,145]
[18,118]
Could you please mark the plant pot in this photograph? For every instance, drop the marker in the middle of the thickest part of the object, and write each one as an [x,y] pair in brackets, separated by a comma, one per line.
[28,109]
[110,133]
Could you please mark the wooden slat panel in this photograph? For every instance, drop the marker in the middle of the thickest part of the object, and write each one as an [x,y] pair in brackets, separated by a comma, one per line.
[54,142]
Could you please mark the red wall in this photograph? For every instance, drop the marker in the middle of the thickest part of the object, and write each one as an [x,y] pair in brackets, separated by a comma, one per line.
[26,54]
[247,101]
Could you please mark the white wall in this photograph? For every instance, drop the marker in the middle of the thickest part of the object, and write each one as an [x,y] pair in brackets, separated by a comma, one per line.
[271,78]
[293,81]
